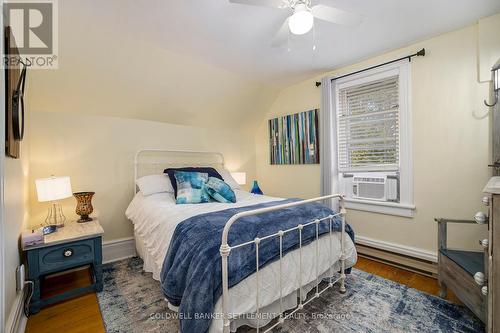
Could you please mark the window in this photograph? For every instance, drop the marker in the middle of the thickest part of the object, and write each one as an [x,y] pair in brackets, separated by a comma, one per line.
[374,139]
[368,126]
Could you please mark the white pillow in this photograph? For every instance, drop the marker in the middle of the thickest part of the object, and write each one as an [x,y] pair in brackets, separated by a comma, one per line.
[226,175]
[154,184]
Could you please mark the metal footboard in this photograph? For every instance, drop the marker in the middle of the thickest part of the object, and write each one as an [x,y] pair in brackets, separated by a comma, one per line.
[225,251]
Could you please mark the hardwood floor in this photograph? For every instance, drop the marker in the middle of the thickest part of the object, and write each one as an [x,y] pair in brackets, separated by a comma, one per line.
[413,280]
[78,315]
[82,314]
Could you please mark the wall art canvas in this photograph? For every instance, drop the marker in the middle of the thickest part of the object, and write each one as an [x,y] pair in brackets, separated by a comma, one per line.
[294,138]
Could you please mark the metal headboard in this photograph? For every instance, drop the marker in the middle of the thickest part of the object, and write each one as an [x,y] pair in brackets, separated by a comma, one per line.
[154,161]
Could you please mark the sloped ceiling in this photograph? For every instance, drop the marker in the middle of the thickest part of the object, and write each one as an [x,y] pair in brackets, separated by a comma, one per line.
[239,37]
[106,68]
[209,62]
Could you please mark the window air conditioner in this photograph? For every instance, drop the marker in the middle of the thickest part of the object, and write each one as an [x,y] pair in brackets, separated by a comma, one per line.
[374,186]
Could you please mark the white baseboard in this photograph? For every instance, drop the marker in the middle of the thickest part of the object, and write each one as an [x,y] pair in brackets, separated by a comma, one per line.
[398,248]
[21,326]
[118,249]
[16,322]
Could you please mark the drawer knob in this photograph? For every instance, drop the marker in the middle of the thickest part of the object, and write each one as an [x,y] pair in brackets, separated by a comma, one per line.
[68,252]
[479,278]
[484,290]
[486,200]
[484,243]
[481,218]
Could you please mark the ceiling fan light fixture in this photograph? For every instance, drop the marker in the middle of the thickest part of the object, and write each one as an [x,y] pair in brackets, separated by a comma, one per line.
[302,20]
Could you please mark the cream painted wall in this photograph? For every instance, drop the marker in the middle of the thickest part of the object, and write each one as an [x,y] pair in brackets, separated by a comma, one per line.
[16,205]
[97,152]
[451,147]
[489,45]
[15,211]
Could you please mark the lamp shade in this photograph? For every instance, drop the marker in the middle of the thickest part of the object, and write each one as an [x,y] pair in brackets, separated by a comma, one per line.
[53,188]
[240,177]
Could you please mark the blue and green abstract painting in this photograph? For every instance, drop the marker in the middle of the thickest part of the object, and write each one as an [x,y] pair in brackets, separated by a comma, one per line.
[294,138]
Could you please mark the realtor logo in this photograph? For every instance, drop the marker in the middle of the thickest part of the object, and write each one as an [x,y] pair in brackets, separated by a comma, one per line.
[34,28]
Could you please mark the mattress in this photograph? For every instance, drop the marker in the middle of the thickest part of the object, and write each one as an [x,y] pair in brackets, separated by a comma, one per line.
[155,218]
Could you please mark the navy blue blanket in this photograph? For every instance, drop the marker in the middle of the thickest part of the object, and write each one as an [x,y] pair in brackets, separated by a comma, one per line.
[191,276]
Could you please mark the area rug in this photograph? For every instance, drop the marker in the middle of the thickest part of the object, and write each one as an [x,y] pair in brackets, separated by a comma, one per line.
[133,302]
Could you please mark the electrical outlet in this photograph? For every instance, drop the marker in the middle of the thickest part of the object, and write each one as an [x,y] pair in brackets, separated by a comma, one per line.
[20,276]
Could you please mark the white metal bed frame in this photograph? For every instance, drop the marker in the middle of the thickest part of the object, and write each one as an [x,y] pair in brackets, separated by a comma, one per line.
[225,248]
[158,166]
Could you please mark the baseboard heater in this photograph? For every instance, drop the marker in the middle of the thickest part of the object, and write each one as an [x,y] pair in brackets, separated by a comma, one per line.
[417,265]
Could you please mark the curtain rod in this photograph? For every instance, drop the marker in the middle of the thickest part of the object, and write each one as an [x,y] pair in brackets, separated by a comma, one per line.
[420,53]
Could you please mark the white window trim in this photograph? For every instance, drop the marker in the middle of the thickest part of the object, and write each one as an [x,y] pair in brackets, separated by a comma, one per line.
[388,208]
[406,205]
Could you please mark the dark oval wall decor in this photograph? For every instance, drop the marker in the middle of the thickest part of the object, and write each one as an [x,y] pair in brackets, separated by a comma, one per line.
[15,78]
[18,108]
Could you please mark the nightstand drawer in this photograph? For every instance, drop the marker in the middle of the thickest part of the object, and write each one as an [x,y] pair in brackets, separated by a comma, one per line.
[66,255]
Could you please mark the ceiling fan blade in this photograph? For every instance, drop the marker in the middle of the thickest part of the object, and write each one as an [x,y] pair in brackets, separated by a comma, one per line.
[334,15]
[282,35]
[264,3]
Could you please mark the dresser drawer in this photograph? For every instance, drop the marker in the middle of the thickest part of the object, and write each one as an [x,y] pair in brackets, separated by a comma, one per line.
[67,255]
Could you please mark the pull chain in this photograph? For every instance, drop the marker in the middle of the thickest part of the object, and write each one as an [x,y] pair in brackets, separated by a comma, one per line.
[314,37]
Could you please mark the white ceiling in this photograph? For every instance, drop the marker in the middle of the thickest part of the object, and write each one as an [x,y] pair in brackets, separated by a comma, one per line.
[238,37]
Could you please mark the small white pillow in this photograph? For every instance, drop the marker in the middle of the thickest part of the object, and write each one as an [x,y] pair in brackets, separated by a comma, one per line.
[228,179]
[154,184]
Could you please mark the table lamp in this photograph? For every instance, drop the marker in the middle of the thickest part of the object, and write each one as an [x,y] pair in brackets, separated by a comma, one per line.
[240,177]
[54,189]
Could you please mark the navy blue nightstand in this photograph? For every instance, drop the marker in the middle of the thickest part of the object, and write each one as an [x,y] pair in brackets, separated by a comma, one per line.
[73,246]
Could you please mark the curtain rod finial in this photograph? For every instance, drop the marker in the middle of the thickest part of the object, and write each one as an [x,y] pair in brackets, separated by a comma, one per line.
[318,83]
[421,53]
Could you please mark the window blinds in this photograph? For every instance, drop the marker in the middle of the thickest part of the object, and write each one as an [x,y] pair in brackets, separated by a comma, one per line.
[368,126]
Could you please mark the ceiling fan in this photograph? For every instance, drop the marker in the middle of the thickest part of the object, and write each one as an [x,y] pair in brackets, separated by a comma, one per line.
[303,13]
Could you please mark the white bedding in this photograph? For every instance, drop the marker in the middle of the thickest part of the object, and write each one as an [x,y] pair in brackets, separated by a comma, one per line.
[155,218]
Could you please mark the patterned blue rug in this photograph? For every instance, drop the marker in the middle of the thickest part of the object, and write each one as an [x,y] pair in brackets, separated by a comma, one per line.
[133,302]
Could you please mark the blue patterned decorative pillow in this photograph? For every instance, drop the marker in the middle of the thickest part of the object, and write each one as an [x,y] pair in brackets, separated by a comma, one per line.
[220,191]
[191,187]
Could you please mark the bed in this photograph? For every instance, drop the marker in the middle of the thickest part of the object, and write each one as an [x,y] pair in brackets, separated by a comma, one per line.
[156,217]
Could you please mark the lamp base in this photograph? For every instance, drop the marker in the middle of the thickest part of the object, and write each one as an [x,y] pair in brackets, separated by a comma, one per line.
[55,216]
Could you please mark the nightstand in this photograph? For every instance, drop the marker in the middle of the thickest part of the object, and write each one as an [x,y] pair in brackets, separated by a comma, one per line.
[73,246]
